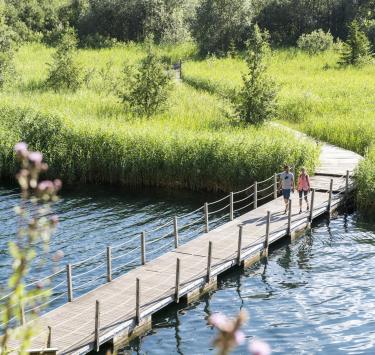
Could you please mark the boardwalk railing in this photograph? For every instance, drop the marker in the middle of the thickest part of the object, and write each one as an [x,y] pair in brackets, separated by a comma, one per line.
[81,277]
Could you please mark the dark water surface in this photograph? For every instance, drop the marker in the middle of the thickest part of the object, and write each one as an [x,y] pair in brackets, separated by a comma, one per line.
[316,295]
[91,218]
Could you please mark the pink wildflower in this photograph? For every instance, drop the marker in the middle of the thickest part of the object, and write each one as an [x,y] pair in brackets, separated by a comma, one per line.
[20,148]
[58,184]
[36,157]
[259,347]
[58,256]
[239,337]
[219,321]
[46,185]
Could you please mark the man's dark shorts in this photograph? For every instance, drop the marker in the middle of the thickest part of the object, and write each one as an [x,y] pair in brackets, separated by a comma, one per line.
[286,193]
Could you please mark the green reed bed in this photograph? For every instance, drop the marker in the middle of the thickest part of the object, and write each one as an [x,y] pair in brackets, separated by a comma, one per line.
[88,137]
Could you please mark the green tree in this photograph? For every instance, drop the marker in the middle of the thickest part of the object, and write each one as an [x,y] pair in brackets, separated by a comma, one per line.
[147,88]
[64,72]
[356,49]
[6,48]
[255,103]
[220,24]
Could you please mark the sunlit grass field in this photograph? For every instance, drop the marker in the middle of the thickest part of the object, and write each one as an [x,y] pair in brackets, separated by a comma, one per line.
[87,136]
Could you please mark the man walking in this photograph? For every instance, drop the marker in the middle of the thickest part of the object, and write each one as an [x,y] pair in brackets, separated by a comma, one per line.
[286,185]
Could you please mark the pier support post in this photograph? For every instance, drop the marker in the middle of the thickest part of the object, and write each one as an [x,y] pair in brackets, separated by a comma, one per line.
[206,217]
[209,261]
[143,248]
[239,249]
[231,214]
[312,205]
[275,186]
[138,302]
[289,230]
[330,197]
[177,290]
[97,325]
[266,240]
[175,227]
[69,282]
[109,264]
[255,195]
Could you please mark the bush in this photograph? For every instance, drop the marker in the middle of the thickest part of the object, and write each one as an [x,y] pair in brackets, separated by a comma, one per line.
[221,25]
[315,42]
[6,49]
[147,89]
[64,72]
[365,179]
[256,101]
[356,49]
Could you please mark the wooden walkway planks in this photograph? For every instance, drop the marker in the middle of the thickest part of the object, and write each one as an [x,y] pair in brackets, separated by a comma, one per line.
[73,323]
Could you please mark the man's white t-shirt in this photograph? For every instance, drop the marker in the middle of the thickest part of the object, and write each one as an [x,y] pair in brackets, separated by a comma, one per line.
[286,180]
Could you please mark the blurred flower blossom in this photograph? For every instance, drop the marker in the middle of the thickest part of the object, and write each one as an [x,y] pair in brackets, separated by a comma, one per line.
[259,347]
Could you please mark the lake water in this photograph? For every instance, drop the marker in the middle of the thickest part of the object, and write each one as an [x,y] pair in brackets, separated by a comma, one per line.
[314,295]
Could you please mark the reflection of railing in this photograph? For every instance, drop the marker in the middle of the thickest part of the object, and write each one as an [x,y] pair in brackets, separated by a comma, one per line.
[117,259]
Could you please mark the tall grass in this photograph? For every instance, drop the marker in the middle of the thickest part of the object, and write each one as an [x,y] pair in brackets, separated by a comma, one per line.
[328,102]
[88,137]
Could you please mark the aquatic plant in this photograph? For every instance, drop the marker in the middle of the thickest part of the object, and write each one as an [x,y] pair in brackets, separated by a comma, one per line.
[36,224]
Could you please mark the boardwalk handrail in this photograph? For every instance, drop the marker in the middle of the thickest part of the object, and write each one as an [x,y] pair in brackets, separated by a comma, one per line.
[168,237]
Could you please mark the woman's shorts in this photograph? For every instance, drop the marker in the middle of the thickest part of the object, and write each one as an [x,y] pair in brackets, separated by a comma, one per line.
[302,192]
[286,193]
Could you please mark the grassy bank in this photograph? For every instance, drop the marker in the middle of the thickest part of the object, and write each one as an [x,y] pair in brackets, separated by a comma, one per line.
[88,137]
[325,101]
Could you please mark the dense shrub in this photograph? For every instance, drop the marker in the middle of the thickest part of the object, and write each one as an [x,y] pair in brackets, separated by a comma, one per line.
[222,24]
[315,42]
[6,48]
[365,179]
[256,101]
[64,72]
[356,49]
[32,19]
[133,20]
[146,90]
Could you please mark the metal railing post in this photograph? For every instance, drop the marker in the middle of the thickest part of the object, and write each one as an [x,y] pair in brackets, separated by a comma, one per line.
[255,195]
[239,249]
[69,282]
[177,287]
[268,225]
[143,248]
[49,338]
[312,205]
[289,217]
[275,186]
[206,217]
[175,227]
[231,215]
[109,264]
[97,325]
[138,301]
[347,183]
[330,196]
[209,261]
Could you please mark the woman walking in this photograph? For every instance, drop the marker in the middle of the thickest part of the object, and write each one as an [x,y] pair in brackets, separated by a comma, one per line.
[303,188]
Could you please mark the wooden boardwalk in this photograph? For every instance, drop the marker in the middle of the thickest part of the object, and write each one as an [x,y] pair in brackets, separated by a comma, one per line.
[73,324]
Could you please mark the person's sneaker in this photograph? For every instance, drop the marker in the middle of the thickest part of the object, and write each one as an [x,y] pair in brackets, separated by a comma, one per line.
[300,211]
[307,208]
[285,211]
